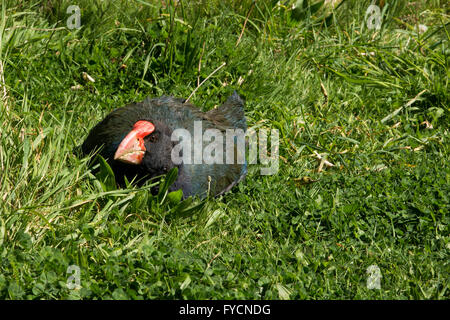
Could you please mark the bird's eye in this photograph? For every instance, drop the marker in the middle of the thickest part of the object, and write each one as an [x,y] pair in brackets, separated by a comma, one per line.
[153,138]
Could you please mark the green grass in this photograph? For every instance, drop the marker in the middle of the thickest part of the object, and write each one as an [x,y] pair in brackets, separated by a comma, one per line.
[363,99]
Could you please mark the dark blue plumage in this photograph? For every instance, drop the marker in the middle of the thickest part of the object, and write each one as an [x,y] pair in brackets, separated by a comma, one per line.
[168,114]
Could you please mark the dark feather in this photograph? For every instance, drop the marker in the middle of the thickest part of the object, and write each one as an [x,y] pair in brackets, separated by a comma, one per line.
[167,114]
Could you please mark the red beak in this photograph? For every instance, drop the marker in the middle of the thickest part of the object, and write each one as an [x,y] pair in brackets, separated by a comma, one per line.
[132,149]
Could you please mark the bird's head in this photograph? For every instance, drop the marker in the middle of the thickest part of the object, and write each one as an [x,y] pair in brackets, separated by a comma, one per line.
[148,144]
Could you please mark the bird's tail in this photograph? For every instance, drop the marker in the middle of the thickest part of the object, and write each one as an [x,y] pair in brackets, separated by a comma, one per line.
[232,111]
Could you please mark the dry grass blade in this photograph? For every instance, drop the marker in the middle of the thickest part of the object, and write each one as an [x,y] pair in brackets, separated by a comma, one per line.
[3,86]
[212,73]
[245,23]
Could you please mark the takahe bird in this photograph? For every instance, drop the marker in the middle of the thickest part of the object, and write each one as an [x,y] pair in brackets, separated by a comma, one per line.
[136,141]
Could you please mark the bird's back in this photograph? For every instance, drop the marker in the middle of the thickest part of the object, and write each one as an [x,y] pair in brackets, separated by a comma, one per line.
[198,178]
